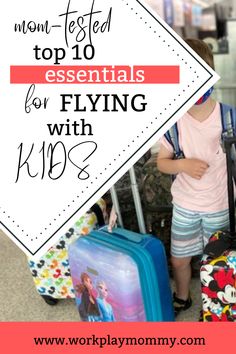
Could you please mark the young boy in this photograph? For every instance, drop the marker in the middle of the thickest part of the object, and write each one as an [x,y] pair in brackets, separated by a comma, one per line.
[199,191]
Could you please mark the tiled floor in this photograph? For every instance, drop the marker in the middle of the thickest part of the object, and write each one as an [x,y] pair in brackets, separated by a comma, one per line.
[20,301]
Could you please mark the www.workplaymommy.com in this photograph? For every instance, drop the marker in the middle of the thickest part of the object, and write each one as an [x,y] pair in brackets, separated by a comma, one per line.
[119,342]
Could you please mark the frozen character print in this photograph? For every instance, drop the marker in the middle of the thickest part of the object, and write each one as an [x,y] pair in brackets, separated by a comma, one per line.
[105,308]
[88,307]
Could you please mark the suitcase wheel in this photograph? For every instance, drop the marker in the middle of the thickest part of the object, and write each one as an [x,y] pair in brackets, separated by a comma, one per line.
[50,300]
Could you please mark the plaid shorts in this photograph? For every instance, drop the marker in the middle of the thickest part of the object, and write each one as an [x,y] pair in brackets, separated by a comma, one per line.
[191,230]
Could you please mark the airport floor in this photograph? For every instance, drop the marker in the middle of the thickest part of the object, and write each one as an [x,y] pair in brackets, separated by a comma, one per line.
[19,300]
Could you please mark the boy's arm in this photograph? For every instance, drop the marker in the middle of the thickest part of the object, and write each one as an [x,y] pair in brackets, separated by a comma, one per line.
[165,162]
[193,167]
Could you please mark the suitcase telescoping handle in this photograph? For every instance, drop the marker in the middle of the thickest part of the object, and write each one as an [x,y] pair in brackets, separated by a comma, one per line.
[137,202]
[124,234]
[229,144]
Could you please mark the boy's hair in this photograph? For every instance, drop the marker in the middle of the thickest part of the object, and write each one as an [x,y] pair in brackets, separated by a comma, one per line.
[202,49]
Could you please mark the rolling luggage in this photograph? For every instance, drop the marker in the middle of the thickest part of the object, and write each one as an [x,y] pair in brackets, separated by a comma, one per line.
[51,274]
[120,276]
[218,270]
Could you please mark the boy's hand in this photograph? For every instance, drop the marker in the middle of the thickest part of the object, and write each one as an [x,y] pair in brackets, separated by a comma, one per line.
[194,168]
[112,219]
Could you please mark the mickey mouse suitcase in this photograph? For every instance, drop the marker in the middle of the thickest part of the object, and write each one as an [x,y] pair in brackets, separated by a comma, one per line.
[51,274]
[218,270]
[120,276]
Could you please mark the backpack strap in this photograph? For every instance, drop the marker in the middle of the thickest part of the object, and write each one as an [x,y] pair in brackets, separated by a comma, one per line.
[228,121]
[172,136]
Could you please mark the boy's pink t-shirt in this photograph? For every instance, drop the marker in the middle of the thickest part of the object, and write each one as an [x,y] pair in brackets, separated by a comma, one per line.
[201,140]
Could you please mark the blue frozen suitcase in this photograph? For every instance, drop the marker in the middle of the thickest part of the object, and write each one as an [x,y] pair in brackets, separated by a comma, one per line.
[120,276]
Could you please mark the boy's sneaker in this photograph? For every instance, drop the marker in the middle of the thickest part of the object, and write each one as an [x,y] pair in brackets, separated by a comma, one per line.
[181,305]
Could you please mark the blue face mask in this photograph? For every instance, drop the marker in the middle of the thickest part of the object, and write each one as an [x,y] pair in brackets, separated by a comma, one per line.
[204,97]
